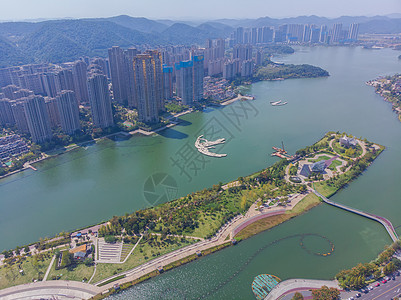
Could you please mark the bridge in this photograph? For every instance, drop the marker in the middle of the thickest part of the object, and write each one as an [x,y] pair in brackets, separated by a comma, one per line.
[386,223]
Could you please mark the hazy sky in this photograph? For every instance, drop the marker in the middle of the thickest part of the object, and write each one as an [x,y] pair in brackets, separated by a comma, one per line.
[190,9]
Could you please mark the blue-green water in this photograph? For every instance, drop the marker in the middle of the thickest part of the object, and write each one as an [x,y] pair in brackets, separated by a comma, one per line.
[89,185]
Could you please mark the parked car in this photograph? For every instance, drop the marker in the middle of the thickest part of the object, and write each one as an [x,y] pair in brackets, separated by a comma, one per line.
[377,284]
[384,281]
[358,295]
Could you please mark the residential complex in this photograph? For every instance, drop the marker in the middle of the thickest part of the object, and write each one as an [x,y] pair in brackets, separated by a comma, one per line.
[296,33]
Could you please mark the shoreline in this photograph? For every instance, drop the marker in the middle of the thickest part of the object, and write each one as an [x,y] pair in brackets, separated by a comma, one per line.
[377,85]
[79,145]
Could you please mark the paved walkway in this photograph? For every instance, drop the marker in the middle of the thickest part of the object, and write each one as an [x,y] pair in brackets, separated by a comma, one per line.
[59,289]
[295,285]
[49,268]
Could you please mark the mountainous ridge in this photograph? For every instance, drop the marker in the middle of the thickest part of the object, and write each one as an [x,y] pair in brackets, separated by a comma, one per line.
[67,39]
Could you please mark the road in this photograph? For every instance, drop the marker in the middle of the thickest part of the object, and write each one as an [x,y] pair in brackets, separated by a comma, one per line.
[54,289]
[286,289]
[385,291]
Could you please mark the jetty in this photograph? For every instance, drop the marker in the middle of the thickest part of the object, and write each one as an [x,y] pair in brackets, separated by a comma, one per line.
[282,153]
[203,146]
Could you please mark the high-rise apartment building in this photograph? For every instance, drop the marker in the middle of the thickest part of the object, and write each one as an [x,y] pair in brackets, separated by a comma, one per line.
[17,107]
[353,32]
[79,72]
[6,113]
[37,119]
[67,105]
[167,82]
[239,35]
[158,73]
[64,80]
[49,84]
[198,74]
[146,88]
[100,101]
[184,78]
[242,52]
[52,110]
[119,74]
[337,32]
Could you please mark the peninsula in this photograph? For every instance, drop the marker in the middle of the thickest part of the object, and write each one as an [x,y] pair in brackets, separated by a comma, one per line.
[132,248]
[389,87]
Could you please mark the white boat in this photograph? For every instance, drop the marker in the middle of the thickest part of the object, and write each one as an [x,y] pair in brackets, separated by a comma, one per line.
[278,103]
[275,102]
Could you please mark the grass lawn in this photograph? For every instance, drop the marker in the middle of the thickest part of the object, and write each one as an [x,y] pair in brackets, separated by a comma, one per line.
[137,257]
[324,189]
[319,159]
[79,273]
[305,204]
[210,225]
[126,249]
[262,225]
[335,163]
[10,276]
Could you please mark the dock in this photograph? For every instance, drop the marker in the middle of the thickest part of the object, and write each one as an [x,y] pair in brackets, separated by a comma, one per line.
[282,153]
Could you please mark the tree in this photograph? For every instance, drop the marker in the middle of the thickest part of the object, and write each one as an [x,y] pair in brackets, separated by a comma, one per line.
[325,293]
[297,296]
[88,261]
[110,239]
[389,268]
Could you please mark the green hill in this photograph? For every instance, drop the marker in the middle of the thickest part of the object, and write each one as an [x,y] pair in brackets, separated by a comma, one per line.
[60,41]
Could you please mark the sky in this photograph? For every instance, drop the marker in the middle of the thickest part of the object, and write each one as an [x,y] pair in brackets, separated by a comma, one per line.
[193,10]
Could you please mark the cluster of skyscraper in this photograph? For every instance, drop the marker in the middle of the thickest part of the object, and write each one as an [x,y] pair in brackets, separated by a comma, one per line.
[143,81]
[296,33]
[37,98]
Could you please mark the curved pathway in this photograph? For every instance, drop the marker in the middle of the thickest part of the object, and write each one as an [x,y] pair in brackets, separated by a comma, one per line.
[386,223]
[59,289]
[295,285]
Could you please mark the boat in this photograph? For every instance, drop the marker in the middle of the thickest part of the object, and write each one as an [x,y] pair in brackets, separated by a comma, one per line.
[278,103]
[275,102]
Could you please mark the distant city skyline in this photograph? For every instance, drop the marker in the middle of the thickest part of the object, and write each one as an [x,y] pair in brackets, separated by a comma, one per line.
[201,10]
